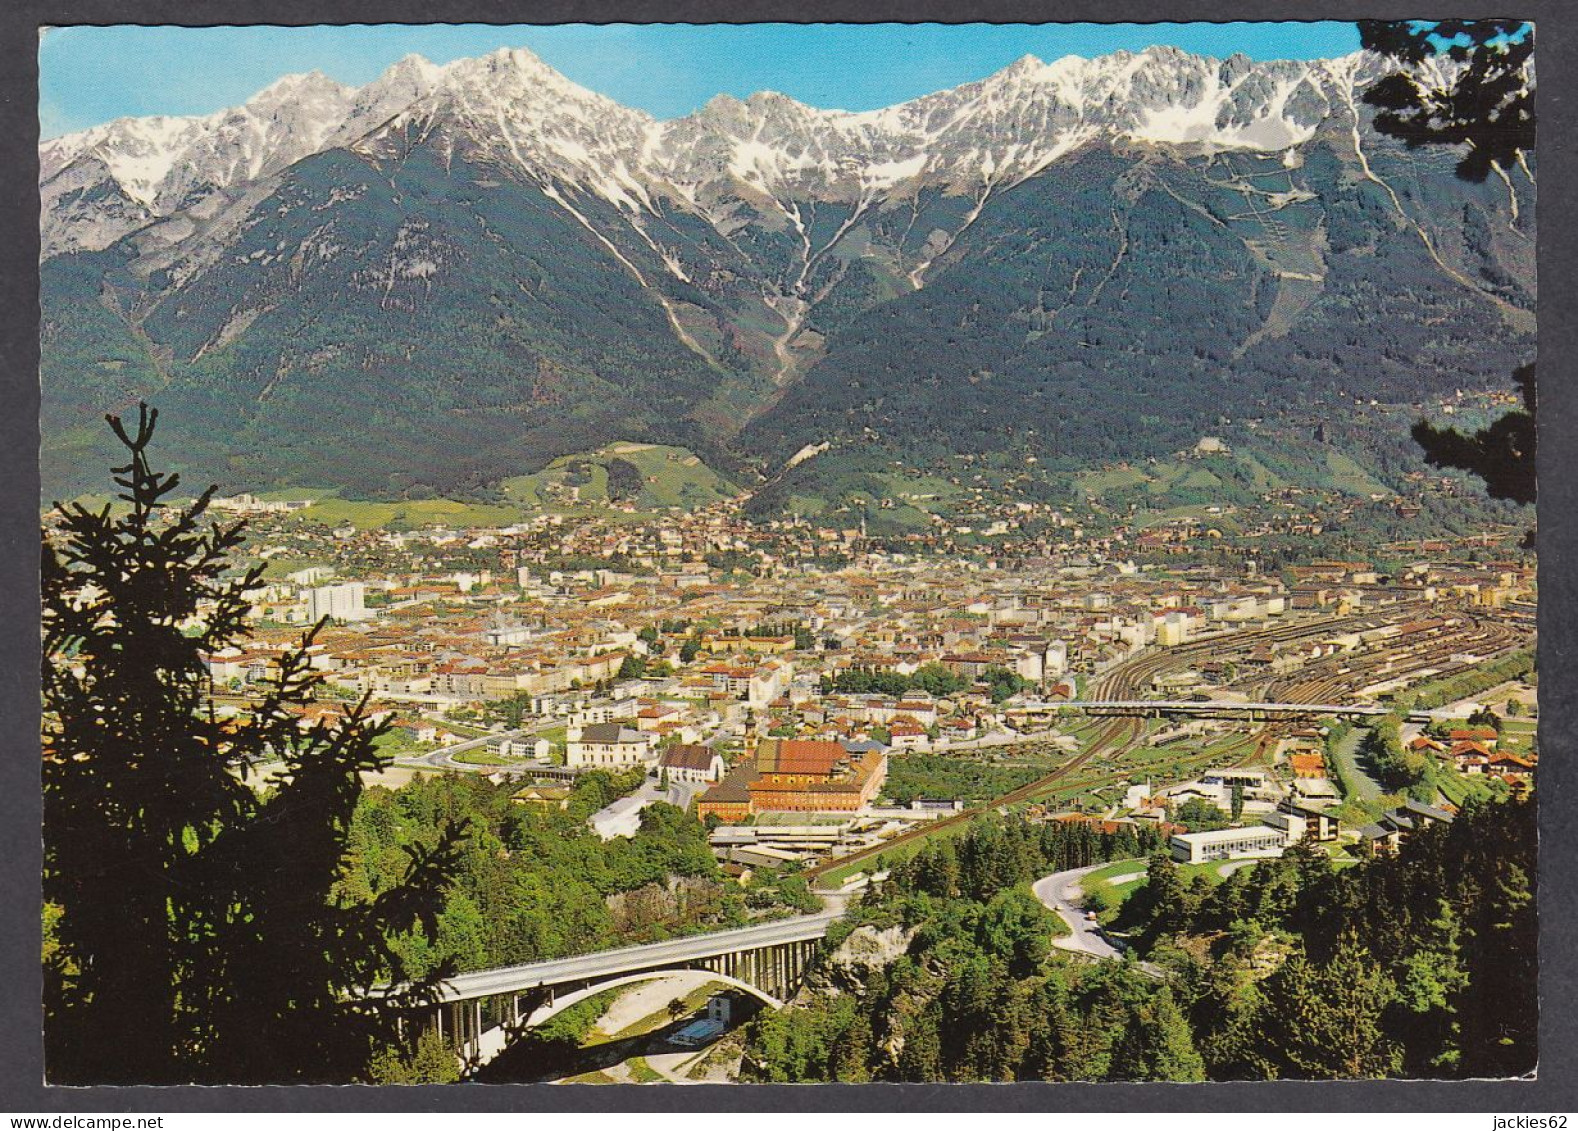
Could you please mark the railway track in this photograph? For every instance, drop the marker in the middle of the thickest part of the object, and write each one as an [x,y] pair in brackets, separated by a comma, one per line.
[1125,680]
[1120,734]
[1116,737]
[1487,639]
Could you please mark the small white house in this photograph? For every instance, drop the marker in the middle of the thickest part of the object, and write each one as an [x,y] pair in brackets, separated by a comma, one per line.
[692,763]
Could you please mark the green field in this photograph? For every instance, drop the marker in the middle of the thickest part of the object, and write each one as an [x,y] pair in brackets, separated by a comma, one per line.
[1102,877]
[555,735]
[391,744]
[408,514]
[1458,788]
[953,778]
[670,477]
[1347,475]
[1114,479]
[1099,888]
[479,756]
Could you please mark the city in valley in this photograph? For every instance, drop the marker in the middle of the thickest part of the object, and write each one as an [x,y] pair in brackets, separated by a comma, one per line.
[826,708]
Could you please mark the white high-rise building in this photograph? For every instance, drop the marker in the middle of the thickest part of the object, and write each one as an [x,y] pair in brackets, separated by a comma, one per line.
[347,601]
[1173,629]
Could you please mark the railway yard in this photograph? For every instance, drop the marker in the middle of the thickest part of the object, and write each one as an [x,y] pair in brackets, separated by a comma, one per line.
[1388,649]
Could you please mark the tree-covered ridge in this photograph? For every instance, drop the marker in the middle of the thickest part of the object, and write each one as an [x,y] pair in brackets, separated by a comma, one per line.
[448,334]
[1084,300]
[1422,964]
[976,994]
[535,883]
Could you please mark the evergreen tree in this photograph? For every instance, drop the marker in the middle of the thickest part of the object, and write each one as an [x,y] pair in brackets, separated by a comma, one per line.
[1499,1010]
[852,1050]
[1324,1022]
[1165,904]
[1156,1044]
[920,1061]
[1429,982]
[1488,111]
[1488,108]
[1055,1032]
[197,937]
[1014,928]
[1502,453]
[1227,1026]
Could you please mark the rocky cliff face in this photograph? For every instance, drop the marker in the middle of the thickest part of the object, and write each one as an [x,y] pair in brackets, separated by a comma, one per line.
[761,157]
[850,966]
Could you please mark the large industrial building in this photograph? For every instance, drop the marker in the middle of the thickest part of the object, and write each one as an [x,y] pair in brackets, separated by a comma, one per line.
[797,776]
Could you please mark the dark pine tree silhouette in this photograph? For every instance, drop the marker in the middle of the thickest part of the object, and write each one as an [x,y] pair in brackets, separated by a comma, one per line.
[1501,454]
[197,933]
[1483,100]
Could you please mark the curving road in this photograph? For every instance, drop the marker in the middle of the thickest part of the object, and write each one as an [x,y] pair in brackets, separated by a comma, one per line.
[1060,893]
[443,757]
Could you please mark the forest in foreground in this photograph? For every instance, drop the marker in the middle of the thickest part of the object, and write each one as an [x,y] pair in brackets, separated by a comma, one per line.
[1421,964]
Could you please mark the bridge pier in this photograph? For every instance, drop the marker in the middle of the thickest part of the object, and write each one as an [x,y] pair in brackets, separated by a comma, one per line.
[466,1026]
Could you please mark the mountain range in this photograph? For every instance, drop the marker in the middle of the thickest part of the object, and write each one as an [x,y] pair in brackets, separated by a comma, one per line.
[459,273]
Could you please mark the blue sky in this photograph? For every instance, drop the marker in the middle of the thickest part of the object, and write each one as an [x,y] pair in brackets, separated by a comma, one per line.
[90,75]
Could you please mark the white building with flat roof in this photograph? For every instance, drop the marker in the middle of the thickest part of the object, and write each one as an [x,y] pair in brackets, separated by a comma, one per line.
[1256,841]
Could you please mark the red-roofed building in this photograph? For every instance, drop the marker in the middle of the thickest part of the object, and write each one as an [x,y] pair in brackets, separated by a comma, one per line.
[797,776]
[907,735]
[799,760]
[1510,766]
[1307,765]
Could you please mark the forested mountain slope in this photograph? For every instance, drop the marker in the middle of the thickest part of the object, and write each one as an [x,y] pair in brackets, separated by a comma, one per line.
[459,273]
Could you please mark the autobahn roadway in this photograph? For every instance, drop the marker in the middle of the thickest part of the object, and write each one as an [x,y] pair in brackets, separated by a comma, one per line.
[633,959]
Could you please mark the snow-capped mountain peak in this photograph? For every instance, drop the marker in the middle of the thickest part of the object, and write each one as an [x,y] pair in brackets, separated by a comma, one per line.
[511,109]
